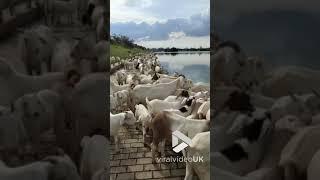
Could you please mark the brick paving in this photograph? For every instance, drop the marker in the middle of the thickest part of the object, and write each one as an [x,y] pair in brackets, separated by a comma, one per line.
[134,161]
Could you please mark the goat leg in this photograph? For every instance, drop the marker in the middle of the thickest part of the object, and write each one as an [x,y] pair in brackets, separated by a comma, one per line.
[162,146]
[153,152]
[189,172]
[116,142]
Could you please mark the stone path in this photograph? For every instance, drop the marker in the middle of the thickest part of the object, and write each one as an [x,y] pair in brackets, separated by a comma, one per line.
[134,160]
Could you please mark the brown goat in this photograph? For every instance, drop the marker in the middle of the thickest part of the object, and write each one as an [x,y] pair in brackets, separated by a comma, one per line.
[162,125]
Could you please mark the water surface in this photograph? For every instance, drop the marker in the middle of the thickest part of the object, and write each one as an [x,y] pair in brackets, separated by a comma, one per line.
[194,65]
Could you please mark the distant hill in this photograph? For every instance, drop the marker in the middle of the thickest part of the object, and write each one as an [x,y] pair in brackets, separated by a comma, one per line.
[123,47]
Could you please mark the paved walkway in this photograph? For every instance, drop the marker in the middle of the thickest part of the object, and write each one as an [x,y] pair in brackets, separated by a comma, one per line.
[134,160]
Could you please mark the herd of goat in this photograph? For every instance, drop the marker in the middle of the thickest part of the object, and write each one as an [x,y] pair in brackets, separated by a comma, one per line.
[52,118]
[265,122]
[158,104]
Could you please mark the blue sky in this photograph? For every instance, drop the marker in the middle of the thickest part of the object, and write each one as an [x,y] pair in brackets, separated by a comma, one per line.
[163,23]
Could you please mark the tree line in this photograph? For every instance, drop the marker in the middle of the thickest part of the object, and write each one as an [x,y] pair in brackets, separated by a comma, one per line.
[174,49]
[124,41]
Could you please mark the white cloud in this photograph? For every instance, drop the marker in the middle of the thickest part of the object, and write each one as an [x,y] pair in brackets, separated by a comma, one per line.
[146,38]
[167,19]
[182,42]
[152,11]
[130,11]
[176,35]
[138,3]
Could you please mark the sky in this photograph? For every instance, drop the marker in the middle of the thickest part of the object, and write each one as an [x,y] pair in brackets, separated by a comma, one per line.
[162,23]
[283,32]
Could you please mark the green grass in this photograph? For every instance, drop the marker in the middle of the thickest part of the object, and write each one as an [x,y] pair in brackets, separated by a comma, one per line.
[123,52]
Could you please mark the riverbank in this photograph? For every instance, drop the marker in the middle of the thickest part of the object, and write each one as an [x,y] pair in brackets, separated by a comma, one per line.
[118,50]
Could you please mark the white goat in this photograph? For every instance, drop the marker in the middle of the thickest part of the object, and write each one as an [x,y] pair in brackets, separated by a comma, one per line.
[121,77]
[101,51]
[118,120]
[36,47]
[200,87]
[313,172]
[155,106]
[203,109]
[93,153]
[101,28]
[208,115]
[159,91]
[261,101]
[39,112]
[165,80]
[226,175]
[115,88]
[98,13]
[173,99]
[61,59]
[290,105]
[223,135]
[165,122]
[244,154]
[146,79]
[284,79]
[298,152]
[200,147]
[122,100]
[52,167]
[144,117]
[14,85]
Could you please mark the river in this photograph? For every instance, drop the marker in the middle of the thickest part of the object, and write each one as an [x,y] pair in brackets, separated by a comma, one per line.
[194,65]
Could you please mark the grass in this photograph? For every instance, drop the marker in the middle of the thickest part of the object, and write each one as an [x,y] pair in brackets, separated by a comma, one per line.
[124,52]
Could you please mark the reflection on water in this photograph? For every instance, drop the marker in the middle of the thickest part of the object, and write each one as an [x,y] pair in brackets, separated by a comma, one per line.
[194,65]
